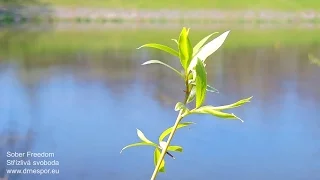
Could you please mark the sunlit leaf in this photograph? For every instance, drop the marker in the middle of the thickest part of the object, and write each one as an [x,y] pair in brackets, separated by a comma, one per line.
[175,148]
[190,78]
[201,43]
[192,81]
[168,131]
[161,47]
[156,157]
[233,105]
[176,41]
[159,62]
[208,49]
[192,95]
[185,48]
[180,106]
[201,83]
[143,137]
[138,144]
[212,89]
[217,113]
[170,148]
[162,144]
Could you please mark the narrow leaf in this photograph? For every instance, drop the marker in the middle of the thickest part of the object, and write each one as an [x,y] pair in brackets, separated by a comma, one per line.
[175,148]
[192,94]
[159,62]
[201,83]
[212,89]
[156,157]
[201,43]
[190,78]
[176,41]
[208,49]
[185,48]
[161,47]
[179,106]
[162,144]
[138,144]
[234,105]
[143,137]
[168,131]
[217,113]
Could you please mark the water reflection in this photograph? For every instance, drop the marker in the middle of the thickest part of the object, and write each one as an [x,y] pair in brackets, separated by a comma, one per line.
[85,108]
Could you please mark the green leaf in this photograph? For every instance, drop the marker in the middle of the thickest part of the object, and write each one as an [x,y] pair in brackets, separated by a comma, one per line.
[171,147]
[180,106]
[156,157]
[208,49]
[201,83]
[161,47]
[168,131]
[143,137]
[209,88]
[138,144]
[176,41]
[192,94]
[212,89]
[217,113]
[185,48]
[159,62]
[175,148]
[234,105]
[201,43]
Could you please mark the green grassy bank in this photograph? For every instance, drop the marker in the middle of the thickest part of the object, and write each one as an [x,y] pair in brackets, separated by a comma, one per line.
[199,4]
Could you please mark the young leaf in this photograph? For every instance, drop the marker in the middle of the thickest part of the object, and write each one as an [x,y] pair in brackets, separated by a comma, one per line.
[159,62]
[138,144]
[170,148]
[192,95]
[212,89]
[162,144]
[180,106]
[156,157]
[234,105]
[175,148]
[208,49]
[161,47]
[168,131]
[201,83]
[201,43]
[176,41]
[217,113]
[185,48]
[142,137]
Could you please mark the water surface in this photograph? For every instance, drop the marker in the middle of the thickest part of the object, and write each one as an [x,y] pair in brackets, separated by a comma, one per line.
[85,107]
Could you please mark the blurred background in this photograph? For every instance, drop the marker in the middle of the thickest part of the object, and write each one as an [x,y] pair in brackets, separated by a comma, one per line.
[71,83]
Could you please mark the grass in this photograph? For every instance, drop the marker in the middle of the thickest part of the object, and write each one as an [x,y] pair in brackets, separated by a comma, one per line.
[186,4]
[99,41]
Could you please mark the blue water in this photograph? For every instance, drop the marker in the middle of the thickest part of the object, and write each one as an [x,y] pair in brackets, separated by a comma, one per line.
[85,113]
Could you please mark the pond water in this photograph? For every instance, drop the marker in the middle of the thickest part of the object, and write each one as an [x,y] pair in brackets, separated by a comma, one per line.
[85,107]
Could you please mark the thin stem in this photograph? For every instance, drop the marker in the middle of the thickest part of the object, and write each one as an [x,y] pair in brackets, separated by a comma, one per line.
[164,150]
[175,126]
